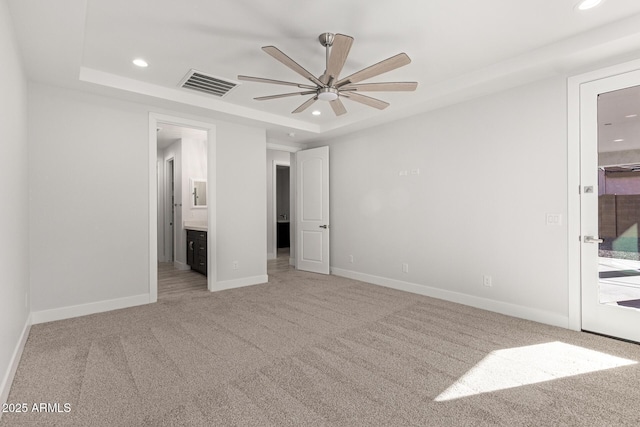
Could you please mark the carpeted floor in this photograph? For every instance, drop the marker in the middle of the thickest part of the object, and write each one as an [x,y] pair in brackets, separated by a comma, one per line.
[313,350]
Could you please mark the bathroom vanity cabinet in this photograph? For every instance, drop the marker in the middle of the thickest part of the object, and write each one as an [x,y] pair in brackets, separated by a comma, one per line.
[197,251]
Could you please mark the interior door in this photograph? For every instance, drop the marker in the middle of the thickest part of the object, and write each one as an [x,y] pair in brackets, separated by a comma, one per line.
[312,210]
[610,205]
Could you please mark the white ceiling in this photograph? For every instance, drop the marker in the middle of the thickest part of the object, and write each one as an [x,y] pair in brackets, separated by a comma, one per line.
[619,120]
[168,133]
[459,49]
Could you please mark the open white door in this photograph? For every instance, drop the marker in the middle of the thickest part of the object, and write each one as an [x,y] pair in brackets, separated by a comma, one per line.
[312,210]
[610,239]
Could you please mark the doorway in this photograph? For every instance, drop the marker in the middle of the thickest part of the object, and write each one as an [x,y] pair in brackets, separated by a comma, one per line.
[282,210]
[185,210]
[279,204]
[610,205]
[170,200]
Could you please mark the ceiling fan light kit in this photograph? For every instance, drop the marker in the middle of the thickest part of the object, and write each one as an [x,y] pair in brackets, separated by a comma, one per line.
[329,87]
[328,94]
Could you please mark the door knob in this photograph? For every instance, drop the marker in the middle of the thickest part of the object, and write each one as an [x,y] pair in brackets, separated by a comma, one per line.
[324,226]
[591,239]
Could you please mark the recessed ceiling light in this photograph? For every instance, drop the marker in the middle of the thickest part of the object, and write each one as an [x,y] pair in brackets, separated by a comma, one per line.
[588,4]
[630,116]
[316,112]
[618,140]
[139,62]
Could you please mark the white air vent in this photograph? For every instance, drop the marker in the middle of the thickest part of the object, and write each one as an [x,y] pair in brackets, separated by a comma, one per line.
[197,80]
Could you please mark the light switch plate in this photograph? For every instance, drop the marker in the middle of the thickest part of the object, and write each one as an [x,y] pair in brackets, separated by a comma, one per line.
[554,219]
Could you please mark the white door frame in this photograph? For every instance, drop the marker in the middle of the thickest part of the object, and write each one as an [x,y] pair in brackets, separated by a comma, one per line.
[160,171]
[169,208]
[154,119]
[573,182]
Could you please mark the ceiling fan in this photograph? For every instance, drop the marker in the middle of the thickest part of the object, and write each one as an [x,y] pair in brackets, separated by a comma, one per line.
[329,86]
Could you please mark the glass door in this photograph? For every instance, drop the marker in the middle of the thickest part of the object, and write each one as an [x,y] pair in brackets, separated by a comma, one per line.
[610,205]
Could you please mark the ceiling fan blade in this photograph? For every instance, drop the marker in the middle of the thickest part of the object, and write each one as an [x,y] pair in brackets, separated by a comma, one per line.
[338,107]
[305,105]
[280,56]
[381,87]
[275,82]
[338,56]
[366,100]
[284,95]
[388,64]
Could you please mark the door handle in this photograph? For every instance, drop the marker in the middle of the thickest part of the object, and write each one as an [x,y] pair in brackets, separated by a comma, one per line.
[324,226]
[591,239]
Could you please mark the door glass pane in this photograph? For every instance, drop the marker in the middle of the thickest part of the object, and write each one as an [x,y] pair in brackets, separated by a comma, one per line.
[619,197]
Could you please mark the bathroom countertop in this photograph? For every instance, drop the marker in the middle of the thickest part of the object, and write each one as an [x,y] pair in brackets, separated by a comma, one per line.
[196,225]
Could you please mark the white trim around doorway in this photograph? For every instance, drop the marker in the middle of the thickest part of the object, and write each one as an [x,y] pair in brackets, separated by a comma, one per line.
[573,182]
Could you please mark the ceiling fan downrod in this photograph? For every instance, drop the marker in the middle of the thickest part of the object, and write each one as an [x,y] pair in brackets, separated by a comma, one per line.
[326,40]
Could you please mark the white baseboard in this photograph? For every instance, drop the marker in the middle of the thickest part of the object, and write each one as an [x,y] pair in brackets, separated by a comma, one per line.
[181,265]
[90,308]
[271,255]
[239,283]
[292,261]
[506,308]
[5,386]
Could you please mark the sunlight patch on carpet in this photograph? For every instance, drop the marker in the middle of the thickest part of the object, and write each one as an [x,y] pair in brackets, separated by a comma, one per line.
[515,367]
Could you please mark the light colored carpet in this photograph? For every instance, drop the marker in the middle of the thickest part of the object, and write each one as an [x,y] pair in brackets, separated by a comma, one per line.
[313,350]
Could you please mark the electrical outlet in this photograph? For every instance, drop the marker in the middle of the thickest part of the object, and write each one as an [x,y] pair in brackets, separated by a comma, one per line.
[405,267]
[351,259]
[487,281]
[234,265]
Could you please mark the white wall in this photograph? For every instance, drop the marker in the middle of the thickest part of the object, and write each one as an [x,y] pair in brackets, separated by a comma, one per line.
[89,211]
[241,198]
[194,166]
[14,194]
[489,171]
[281,157]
